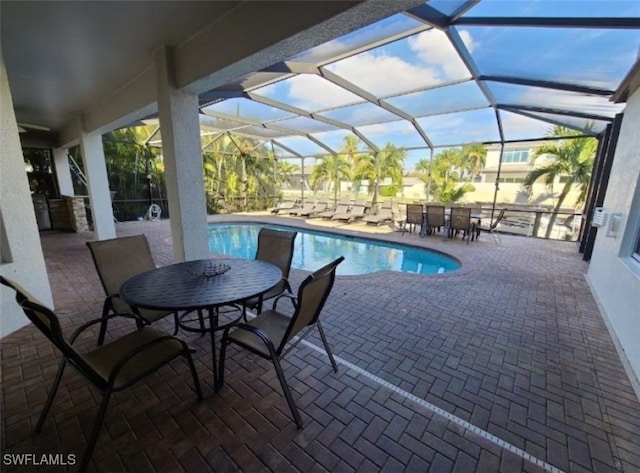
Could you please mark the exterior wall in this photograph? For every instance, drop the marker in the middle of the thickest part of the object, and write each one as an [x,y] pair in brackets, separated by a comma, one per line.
[514,192]
[614,276]
[22,258]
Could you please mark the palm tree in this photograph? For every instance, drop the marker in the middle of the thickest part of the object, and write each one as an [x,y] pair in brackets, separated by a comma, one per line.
[474,158]
[572,159]
[444,172]
[350,150]
[388,162]
[332,168]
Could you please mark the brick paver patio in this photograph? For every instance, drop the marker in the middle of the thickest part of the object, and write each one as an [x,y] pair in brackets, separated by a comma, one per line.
[505,365]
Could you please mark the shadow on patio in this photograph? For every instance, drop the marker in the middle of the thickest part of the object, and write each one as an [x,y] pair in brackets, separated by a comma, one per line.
[504,366]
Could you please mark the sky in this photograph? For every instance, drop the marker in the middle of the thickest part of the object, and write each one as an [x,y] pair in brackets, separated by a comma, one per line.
[423,76]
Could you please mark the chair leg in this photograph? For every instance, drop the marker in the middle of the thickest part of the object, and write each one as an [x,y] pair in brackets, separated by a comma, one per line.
[176,321]
[52,395]
[95,430]
[326,346]
[223,355]
[103,323]
[287,392]
[194,373]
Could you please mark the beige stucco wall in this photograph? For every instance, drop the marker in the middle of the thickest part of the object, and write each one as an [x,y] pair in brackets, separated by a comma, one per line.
[615,276]
[22,258]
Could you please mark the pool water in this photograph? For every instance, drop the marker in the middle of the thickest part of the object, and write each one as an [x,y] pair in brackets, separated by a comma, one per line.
[315,249]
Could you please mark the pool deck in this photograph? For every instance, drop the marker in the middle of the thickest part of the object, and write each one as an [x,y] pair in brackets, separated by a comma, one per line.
[505,365]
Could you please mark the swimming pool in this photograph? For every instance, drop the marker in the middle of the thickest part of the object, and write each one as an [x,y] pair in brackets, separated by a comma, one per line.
[315,249]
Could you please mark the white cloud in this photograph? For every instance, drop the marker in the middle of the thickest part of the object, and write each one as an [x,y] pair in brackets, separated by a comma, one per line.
[314,93]
[435,50]
[382,74]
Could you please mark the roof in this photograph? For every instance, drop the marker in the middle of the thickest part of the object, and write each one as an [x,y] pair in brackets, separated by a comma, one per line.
[440,74]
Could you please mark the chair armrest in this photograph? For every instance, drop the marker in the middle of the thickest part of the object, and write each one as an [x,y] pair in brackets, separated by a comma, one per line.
[139,349]
[257,332]
[88,324]
[290,296]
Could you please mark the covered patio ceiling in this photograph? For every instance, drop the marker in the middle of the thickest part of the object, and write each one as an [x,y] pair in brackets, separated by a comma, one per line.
[443,74]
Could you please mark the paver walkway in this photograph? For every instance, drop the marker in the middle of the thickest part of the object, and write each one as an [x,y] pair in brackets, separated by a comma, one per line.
[506,366]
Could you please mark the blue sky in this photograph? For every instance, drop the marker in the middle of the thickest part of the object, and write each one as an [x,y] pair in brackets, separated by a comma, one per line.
[453,109]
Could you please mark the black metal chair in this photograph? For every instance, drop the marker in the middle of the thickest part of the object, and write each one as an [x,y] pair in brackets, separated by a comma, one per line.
[269,333]
[117,260]
[414,216]
[461,221]
[111,367]
[275,247]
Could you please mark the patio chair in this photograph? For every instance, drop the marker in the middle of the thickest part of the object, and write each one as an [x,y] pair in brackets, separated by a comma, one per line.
[321,206]
[341,208]
[276,247]
[493,227]
[435,217]
[414,217]
[269,333]
[284,206]
[305,210]
[461,221]
[117,260]
[110,368]
[355,212]
[384,214]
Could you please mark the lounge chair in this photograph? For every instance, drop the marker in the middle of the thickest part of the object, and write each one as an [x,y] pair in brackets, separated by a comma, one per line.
[284,207]
[385,214]
[342,207]
[305,210]
[493,227]
[318,209]
[355,212]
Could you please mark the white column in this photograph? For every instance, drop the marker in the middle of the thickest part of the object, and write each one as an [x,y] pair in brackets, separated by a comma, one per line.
[95,170]
[184,173]
[21,257]
[63,171]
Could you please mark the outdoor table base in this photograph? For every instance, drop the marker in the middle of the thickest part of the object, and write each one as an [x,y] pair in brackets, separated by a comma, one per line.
[199,286]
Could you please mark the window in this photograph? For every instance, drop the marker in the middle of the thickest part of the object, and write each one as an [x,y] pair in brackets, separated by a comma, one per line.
[511,180]
[516,156]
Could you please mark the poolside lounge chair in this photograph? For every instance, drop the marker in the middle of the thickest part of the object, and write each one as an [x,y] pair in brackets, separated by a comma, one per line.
[285,207]
[269,333]
[342,207]
[355,211]
[305,210]
[110,368]
[320,207]
[493,227]
[385,214]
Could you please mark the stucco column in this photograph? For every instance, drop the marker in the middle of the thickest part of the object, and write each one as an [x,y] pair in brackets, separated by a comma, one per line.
[95,170]
[184,172]
[63,171]
[21,257]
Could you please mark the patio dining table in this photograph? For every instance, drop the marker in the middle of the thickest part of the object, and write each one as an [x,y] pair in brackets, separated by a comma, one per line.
[202,285]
